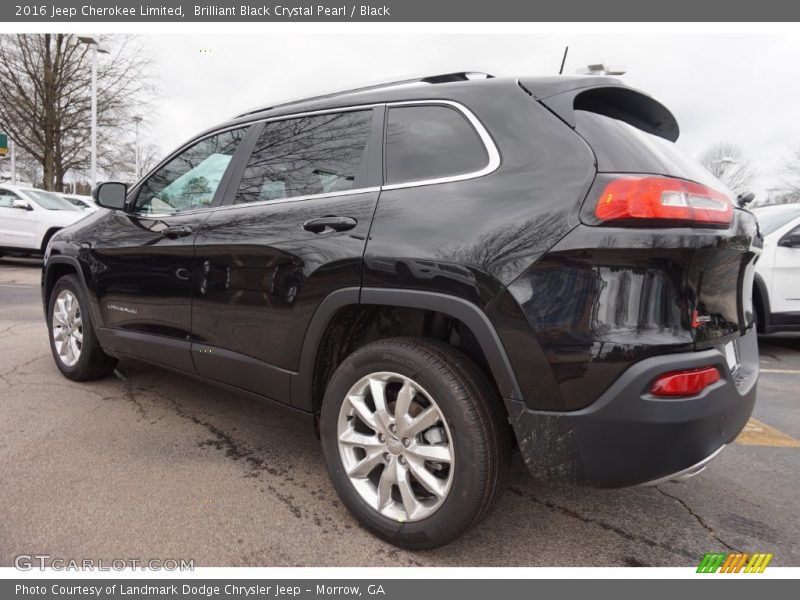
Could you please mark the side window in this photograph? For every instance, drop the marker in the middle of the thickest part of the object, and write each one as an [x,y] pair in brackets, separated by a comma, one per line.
[191,179]
[304,156]
[791,238]
[7,197]
[429,142]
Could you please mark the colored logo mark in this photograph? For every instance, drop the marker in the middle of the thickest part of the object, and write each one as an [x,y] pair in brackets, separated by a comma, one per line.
[734,562]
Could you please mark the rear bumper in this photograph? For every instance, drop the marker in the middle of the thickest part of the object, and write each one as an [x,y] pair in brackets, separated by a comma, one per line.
[629,437]
[688,472]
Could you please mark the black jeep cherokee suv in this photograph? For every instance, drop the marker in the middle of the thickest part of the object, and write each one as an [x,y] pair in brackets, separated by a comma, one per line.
[436,271]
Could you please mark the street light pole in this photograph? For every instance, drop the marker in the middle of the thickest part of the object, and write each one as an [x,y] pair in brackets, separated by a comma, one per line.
[95,45]
[137,120]
[94,115]
[13,151]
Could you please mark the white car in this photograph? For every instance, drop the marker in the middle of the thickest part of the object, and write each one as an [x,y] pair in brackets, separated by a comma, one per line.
[776,290]
[29,217]
[82,202]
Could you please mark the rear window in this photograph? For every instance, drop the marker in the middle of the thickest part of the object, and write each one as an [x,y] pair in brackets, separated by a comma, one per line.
[622,148]
[307,156]
[431,142]
[772,219]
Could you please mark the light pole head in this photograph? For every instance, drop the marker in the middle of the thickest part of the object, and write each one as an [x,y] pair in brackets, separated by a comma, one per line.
[93,41]
[600,69]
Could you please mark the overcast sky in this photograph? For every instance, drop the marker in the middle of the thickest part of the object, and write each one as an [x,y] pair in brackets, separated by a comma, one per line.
[743,89]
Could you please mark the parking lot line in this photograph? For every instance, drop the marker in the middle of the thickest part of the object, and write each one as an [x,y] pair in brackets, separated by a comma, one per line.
[756,433]
[15,286]
[783,371]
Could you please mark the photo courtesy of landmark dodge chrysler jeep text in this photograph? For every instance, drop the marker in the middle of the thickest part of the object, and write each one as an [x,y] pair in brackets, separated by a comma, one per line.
[438,272]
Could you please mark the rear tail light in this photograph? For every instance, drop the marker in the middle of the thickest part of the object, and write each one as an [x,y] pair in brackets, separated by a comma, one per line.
[663,198]
[684,383]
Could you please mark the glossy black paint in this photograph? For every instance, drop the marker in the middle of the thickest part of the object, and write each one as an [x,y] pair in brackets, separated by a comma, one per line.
[472,238]
[261,276]
[561,307]
[605,298]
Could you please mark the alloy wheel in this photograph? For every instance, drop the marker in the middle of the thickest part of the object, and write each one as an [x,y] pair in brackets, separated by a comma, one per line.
[67,328]
[395,446]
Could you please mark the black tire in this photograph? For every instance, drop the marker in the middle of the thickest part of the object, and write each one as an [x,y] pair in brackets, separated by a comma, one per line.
[46,239]
[93,363]
[758,313]
[478,427]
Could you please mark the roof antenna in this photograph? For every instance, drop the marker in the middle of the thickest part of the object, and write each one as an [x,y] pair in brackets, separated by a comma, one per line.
[563,60]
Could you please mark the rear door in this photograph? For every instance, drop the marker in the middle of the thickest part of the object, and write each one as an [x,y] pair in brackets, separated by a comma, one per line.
[291,231]
[144,257]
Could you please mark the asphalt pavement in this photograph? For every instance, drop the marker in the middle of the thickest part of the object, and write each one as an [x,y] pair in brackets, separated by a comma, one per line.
[147,464]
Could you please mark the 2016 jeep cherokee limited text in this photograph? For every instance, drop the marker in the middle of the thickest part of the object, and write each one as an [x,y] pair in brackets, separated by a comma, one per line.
[437,272]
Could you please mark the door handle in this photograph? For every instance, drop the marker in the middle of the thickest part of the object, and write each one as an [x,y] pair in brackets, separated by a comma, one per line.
[324,224]
[174,233]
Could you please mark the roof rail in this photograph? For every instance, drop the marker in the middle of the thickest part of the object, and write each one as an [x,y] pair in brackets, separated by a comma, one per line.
[430,79]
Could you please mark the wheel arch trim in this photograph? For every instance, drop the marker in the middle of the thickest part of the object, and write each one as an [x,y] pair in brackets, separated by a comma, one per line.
[462,310]
[47,285]
[58,259]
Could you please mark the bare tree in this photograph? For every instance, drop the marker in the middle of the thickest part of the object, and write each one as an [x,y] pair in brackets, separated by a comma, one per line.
[728,163]
[46,108]
[791,168]
[28,169]
[149,155]
[121,163]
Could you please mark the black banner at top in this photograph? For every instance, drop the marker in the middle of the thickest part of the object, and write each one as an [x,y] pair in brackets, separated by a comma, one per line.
[395,10]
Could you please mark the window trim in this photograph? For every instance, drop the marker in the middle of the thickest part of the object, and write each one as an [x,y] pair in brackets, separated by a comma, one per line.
[133,194]
[488,143]
[353,192]
[229,198]
[254,129]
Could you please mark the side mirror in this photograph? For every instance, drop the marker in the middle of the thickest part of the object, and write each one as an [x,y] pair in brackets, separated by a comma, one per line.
[111,194]
[790,240]
[21,204]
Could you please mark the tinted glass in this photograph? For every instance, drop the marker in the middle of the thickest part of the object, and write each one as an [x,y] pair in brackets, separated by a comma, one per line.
[305,156]
[190,180]
[622,148]
[429,142]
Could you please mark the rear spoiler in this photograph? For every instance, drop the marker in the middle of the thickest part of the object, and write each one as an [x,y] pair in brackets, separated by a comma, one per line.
[605,96]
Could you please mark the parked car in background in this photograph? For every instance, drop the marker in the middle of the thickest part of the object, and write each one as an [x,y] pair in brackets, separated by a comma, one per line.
[29,217]
[436,272]
[82,202]
[776,289]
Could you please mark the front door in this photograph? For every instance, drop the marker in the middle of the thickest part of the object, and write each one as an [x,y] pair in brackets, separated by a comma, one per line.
[786,278]
[292,231]
[17,225]
[143,262]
